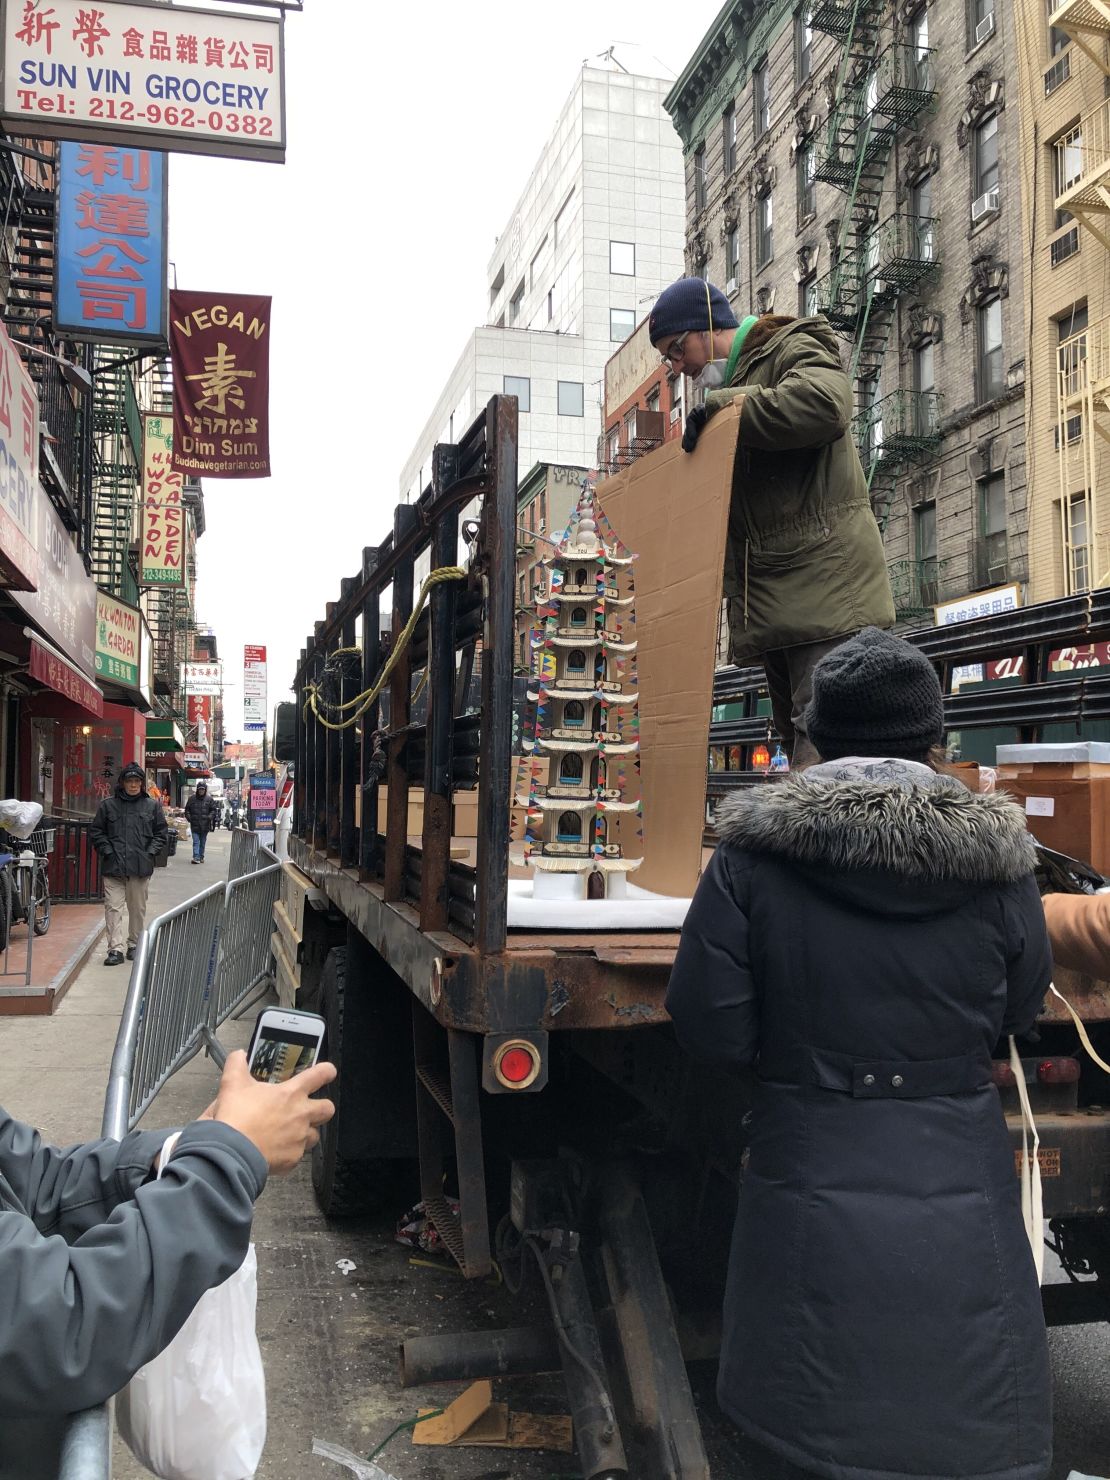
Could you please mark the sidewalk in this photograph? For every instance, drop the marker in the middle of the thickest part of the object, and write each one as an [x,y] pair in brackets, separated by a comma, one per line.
[56,960]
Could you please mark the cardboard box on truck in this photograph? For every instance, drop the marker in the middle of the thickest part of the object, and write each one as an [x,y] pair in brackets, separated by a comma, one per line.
[1065,790]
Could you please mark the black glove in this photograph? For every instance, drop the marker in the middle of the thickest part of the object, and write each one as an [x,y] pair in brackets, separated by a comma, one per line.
[695,420]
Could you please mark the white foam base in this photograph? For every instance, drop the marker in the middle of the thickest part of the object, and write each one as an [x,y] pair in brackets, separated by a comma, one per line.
[638,910]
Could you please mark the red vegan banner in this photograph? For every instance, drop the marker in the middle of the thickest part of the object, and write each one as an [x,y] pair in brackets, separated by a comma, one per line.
[220,348]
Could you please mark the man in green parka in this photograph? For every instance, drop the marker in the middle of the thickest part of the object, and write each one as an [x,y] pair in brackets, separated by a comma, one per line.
[804,560]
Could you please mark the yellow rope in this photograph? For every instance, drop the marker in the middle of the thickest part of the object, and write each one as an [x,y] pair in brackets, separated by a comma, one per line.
[1084,1036]
[362,702]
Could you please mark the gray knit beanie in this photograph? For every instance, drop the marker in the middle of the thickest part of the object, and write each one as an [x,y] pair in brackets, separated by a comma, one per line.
[875,695]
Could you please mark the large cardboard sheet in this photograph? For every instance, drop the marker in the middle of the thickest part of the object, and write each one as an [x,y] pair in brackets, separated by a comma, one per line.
[671,510]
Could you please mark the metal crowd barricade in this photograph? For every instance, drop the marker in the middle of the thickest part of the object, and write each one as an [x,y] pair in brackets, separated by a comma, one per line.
[195,966]
[244,853]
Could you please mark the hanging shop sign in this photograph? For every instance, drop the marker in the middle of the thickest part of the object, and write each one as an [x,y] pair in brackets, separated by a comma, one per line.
[53,671]
[118,641]
[19,469]
[198,709]
[145,76]
[254,687]
[63,604]
[196,760]
[220,350]
[202,678]
[112,244]
[162,562]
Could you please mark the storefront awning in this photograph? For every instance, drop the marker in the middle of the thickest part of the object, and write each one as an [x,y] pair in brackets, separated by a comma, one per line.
[49,667]
[164,760]
[163,735]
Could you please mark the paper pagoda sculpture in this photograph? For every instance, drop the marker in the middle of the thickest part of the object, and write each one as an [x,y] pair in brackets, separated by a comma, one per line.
[587,724]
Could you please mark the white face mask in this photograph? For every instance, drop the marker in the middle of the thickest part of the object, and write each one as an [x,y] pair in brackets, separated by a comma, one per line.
[711,376]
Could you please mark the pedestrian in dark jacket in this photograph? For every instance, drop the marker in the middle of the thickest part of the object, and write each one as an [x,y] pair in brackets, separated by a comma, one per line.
[202,813]
[129,831]
[863,937]
[804,560]
[100,1265]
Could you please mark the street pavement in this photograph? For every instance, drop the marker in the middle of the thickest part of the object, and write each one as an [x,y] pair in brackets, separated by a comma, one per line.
[330,1339]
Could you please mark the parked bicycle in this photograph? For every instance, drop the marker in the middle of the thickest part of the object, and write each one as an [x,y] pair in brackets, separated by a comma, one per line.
[25,882]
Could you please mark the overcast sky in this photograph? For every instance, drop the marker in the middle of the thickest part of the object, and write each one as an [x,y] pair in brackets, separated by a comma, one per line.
[412,130]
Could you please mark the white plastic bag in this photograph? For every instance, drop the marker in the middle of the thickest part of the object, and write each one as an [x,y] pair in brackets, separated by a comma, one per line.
[198,1410]
[20,818]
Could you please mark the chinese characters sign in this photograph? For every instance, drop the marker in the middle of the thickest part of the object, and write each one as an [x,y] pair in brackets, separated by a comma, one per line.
[220,348]
[162,560]
[118,633]
[19,469]
[202,678]
[254,687]
[981,604]
[145,76]
[112,250]
[63,603]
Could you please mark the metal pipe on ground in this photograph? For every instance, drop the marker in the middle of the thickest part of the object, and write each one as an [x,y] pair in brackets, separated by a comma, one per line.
[519,1351]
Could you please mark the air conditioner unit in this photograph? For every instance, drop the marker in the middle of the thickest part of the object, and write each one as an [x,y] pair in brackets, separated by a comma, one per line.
[730,287]
[676,412]
[984,203]
[985,28]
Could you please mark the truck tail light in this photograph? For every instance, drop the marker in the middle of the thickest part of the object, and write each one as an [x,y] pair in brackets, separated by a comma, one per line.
[1058,1071]
[516,1064]
[1002,1074]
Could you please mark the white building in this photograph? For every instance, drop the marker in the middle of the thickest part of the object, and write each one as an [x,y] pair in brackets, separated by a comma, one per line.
[596,234]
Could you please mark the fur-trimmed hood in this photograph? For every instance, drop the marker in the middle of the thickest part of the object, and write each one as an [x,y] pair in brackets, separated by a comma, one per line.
[927,830]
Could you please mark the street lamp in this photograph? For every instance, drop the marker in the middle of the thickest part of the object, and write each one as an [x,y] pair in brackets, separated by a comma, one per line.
[75,376]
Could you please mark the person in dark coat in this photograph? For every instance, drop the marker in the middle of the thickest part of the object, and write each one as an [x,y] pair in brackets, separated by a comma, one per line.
[129,831]
[202,813]
[804,562]
[863,937]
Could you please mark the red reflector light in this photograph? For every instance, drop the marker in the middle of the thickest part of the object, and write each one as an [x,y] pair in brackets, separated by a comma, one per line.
[1058,1071]
[1002,1074]
[517,1064]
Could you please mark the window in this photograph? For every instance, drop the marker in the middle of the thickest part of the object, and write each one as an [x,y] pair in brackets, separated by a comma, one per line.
[496,286]
[992,530]
[925,552]
[570,398]
[630,427]
[924,383]
[701,193]
[1072,331]
[871,411]
[991,380]
[1079,547]
[729,130]
[563,221]
[986,159]
[919,41]
[574,713]
[803,44]
[652,401]
[981,17]
[765,233]
[537,266]
[1067,169]
[521,387]
[622,258]
[622,323]
[570,770]
[614,446]
[569,828]
[924,226]
[807,296]
[515,303]
[806,166]
[576,661]
[520,592]
[732,259]
[761,100]
[1058,40]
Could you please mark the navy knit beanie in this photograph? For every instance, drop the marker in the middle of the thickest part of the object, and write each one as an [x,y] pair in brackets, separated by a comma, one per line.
[685,305]
[875,695]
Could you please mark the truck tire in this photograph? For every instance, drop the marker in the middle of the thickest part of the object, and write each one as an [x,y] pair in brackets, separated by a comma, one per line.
[344,1188]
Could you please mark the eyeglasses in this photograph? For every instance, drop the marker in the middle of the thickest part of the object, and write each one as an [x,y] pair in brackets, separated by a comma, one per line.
[677,349]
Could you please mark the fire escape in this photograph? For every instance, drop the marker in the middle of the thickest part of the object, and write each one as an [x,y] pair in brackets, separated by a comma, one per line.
[119,443]
[880,256]
[26,279]
[1083,379]
[621,446]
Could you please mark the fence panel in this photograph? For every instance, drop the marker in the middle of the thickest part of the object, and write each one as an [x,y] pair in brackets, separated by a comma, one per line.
[245,957]
[244,853]
[74,863]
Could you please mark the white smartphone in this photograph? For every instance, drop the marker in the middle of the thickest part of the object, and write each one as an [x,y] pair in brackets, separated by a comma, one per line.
[283,1043]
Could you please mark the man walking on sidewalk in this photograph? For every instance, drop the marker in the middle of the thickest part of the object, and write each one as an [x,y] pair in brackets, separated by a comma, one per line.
[129,831]
[202,813]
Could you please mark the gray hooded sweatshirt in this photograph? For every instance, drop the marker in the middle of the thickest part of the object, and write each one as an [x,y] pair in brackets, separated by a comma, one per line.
[100,1268]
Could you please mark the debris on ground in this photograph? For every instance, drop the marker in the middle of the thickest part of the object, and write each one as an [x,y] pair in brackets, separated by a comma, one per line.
[475,1419]
[417,1231]
[346,1266]
[362,1469]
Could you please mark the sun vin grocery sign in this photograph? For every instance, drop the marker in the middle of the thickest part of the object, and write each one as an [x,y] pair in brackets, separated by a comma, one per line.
[155,76]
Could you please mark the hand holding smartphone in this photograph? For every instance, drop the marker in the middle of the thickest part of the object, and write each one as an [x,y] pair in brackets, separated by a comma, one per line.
[285,1042]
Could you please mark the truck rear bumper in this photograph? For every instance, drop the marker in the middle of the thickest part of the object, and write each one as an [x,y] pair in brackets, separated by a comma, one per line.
[1075,1161]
